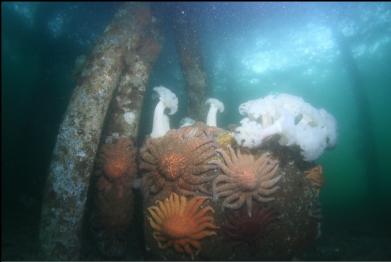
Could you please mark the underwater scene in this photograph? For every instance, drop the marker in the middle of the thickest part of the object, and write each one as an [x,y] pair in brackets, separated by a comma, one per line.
[196,131]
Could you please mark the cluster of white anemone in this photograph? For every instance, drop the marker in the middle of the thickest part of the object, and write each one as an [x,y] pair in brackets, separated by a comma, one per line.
[296,121]
[168,100]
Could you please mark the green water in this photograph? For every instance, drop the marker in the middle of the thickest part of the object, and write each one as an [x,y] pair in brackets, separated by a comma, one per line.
[248,52]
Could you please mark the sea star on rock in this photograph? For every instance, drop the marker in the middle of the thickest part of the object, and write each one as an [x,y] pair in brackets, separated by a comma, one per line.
[117,159]
[315,176]
[180,160]
[182,224]
[245,179]
[112,209]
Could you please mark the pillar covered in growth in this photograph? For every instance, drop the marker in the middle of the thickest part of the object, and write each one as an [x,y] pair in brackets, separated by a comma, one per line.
[112,208]
[80,132]
[189,50]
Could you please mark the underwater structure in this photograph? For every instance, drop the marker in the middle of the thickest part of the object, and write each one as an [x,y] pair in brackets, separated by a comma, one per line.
[365,121]
[190,56]
[121,60]
[111,212]
[213,194]
[207,193]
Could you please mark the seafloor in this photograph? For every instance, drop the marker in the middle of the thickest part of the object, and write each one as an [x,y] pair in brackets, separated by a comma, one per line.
[338,242]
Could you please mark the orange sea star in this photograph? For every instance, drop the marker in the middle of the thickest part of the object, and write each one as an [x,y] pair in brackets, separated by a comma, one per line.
[117,159]
[179,159]
[315,176]
[112,209]
[245,179]
[181,224]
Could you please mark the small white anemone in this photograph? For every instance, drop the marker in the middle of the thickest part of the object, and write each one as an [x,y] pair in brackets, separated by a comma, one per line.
[215,106]
[161,122]
[187,121]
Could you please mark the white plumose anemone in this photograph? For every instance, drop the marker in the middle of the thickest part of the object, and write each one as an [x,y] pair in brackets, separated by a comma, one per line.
[215,106]
[161,121]
[290,116]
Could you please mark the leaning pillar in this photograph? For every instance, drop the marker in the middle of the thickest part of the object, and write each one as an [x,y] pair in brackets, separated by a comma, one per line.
[115,170]
[73,156]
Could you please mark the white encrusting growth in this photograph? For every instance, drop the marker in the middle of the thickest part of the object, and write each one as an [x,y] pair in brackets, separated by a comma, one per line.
[161,121]
[129,117]
[215,106]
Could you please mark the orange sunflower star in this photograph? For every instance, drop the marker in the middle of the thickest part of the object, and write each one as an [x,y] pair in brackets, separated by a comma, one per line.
[179,223]
[180,160]
[245,179]
[315,176]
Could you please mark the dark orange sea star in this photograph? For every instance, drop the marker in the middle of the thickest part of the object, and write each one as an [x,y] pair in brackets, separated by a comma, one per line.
[180,160]
[179,223]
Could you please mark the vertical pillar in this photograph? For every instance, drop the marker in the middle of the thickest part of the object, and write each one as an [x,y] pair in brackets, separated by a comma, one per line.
[188,46]
[114,173]
[364,117]
[77,142]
